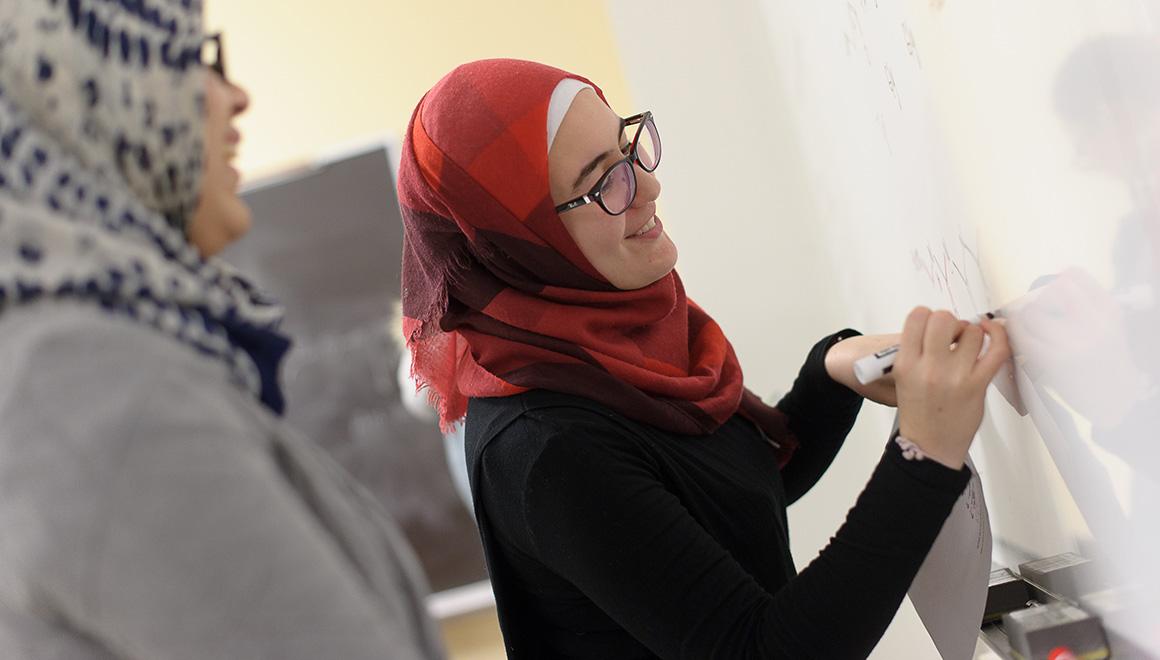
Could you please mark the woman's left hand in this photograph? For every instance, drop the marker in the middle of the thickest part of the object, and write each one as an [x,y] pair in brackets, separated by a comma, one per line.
[840,365]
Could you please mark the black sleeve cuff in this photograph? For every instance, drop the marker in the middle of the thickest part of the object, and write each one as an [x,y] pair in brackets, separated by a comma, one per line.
[928,472]
[814,387]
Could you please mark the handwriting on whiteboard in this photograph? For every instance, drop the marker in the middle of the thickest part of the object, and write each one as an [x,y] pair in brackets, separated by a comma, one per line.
[956,272]
[866,41]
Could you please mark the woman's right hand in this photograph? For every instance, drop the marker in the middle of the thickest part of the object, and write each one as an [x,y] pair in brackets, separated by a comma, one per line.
[940,388]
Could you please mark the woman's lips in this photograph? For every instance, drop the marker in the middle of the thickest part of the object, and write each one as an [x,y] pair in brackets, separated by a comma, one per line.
[650,229]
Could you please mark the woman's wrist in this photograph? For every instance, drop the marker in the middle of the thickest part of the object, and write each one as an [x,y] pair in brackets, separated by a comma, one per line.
[922,450]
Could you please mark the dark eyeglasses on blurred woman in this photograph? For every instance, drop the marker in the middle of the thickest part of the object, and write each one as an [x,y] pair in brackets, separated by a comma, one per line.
[212,55]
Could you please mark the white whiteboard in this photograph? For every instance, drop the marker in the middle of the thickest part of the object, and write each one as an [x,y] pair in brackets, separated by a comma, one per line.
[949,153]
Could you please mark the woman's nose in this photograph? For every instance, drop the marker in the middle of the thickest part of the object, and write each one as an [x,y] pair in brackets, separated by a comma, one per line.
[648,187]
[241,99]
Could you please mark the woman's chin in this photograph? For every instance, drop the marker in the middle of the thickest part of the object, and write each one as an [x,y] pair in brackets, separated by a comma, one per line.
[219,222]
[240,217]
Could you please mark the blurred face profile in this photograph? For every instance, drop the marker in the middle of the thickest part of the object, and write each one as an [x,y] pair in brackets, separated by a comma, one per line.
[221,217]
[631,250]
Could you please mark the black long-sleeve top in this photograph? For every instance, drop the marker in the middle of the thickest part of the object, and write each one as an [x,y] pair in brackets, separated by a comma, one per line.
[606,538]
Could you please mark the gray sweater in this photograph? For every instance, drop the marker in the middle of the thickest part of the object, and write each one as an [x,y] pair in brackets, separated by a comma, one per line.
[150,510]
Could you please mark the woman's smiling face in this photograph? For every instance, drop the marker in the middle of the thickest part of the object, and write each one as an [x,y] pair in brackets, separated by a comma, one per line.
[630,250]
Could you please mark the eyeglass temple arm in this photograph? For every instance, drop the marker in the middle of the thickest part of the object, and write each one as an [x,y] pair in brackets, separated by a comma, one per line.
[579,201]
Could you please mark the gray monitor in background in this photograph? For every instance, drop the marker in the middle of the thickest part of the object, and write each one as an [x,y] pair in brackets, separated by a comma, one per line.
[327,243]
[328,237]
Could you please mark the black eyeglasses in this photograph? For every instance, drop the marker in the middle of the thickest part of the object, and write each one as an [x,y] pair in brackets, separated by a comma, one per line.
[212,54]
[616,190]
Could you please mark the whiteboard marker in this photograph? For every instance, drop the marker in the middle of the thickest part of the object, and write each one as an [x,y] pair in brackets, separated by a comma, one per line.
[875,366]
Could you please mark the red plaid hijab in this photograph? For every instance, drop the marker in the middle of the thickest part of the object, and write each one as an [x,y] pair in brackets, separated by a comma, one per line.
[498,299]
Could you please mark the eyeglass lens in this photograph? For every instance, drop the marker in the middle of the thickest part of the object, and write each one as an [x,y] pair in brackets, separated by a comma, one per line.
[212,55]
[619,188]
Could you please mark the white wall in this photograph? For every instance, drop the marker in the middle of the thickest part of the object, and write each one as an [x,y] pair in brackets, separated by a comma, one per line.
[738,203]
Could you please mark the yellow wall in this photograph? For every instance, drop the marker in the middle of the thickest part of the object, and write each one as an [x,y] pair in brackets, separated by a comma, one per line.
[331,73]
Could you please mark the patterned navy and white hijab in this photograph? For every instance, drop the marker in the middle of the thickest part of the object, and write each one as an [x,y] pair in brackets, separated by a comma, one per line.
[101,131]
